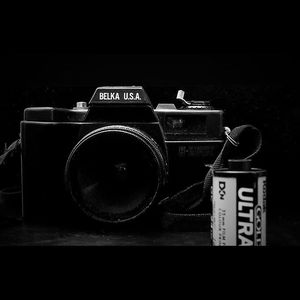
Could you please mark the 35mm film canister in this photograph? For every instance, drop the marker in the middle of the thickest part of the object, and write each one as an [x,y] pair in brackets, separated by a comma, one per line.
[239,205]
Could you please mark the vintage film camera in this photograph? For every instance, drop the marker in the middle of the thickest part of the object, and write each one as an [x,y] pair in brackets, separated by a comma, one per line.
[114,159]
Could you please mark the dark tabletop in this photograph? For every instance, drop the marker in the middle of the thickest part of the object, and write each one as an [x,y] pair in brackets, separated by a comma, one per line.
[281,231]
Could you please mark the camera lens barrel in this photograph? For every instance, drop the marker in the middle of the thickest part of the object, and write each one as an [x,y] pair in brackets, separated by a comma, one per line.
[114,173]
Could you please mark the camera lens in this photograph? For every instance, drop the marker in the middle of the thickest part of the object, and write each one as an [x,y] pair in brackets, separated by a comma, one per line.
[114,173]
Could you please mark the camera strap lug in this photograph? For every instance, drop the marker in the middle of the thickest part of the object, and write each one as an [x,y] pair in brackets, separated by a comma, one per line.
[229,138]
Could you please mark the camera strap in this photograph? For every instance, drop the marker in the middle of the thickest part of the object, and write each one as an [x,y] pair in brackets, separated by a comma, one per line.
[189,208]
[13,148]
[10,182]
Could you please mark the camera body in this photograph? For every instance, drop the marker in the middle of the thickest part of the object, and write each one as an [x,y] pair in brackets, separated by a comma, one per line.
[113,160]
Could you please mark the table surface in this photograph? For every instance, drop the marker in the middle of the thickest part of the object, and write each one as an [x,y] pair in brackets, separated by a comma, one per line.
[281,231]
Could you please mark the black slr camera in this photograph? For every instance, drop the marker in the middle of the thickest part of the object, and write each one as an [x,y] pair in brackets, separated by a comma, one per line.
[114,159]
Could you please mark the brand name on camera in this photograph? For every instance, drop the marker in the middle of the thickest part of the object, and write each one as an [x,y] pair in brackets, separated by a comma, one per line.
[115,96]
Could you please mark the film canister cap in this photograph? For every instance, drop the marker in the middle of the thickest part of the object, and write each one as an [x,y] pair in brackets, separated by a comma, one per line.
[239,164]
